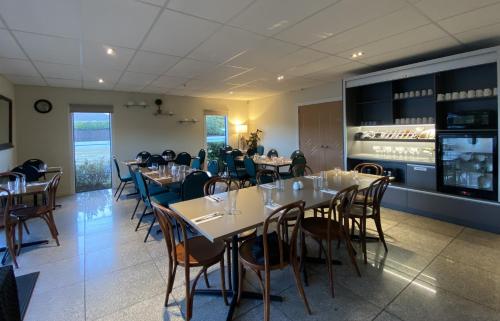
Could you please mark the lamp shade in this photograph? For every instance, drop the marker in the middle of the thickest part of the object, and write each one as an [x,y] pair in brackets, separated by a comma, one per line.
[241,128]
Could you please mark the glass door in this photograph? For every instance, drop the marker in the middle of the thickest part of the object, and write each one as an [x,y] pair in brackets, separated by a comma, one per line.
[215,134]
[467,164]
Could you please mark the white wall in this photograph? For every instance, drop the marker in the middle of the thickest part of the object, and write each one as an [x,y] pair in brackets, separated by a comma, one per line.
[277,116]
[48,136]
[8,156]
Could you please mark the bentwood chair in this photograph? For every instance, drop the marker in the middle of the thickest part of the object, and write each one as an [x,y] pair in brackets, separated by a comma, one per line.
[296,153]
[299,163]
[220,185]
[265,176]
[369,208]
[170,154]
[300,170]
[272,153]
[183,159]
[236,173]
[9,223]
[36,163]
[164,199]
[32,174]
[124,180]
[331,228]
[369,168]
[44,211]
[188,252]
[271,251]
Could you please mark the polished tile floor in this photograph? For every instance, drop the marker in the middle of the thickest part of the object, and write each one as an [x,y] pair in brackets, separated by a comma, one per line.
[104,271]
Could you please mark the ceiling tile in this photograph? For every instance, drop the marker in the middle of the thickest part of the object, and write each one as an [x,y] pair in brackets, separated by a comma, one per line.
[177,34]
[8,47]
[410,52]
[265,55]
[137,78]
[95,56]
[297,58]
[439,9]
[252,75]
[190,68]
[169,82]
[225,44]
[218,10]
[160,3]
[333,73]
[402,40]
[338,18]
[489,34]
[269,17]
[25,80]
[90,84]
[154,89]
[317,65]
[128,87]
[223,72]
[50,49]
[205,85]
[50,70]
[92,75]
[117,22]
[52,17]
[472,19]
[68,83]
[17,67]
[152,63]
[394,23]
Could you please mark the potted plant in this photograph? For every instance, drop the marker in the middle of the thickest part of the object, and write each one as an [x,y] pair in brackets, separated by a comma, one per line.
[254,139]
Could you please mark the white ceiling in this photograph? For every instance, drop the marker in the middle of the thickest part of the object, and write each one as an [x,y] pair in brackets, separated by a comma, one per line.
[227,48]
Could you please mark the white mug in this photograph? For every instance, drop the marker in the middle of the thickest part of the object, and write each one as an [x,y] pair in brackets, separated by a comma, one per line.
[454,95]
[447,96]
[463,94]
[417,93]
[487,92]
[479,93]
[430,92]
[471,94]
[405,95]
[440,97]
[411,94]
[396,96]
[495,91]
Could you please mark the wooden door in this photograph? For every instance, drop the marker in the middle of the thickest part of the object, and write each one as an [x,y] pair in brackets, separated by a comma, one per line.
[321,135]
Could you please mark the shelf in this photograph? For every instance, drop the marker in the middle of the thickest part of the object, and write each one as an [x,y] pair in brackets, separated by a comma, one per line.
[467,99]
[375,101]
[382,158]
[413,98]
[397,125]
[412,140]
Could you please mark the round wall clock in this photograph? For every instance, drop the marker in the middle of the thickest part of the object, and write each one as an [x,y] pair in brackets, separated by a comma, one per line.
[43,106]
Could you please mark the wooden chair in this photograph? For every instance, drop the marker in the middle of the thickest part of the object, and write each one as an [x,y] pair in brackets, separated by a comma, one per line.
[9,223]
[44,211]
[369,168]
[188,253]
[276,252]
[331,228]
[265,176]
[221,185]
[299,170]
[369,208]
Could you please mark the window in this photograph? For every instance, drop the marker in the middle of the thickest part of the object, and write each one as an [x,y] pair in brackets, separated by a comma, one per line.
[215,134]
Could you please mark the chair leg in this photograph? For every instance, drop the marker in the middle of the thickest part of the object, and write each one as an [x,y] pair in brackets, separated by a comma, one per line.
[172,268]
[300,288]
[26,227]
[135,209]
[121,191]
[205,276]
[378,224]
[51,228]
[188,296]
[117,189]
[303,251]
[240,282]
[223,280]
[20,237]
[140,218]
[330,267]
[362,234]
[228,258]
[351,252]
[267,296]
[149,229]
[10,237]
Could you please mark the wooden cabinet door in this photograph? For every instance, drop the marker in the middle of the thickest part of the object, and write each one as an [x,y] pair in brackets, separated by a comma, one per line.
[321,135]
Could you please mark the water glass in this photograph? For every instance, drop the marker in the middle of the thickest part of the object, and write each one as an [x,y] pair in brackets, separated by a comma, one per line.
[231,198]
[154,166]
[337,171]
[280,184]
[317,183]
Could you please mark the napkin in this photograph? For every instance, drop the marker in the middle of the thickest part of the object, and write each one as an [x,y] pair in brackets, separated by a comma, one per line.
[269,186]
[329,191]
[311,176]
[208,217]
[273,206]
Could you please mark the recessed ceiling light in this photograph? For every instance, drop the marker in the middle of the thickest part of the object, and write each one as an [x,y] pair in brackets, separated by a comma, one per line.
[100,80]
[280,77]
[111,51]
[357,54]
[231,92]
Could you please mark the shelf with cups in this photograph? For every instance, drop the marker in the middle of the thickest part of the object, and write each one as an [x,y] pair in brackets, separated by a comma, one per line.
[451,100]
[409,140]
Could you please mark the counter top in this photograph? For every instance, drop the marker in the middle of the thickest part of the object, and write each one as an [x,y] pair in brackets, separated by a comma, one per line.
[405,160]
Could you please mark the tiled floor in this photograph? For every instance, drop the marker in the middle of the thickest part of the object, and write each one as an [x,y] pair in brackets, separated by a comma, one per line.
[104,271]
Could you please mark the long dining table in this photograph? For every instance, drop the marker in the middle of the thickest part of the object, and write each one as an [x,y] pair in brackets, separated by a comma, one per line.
[252,212]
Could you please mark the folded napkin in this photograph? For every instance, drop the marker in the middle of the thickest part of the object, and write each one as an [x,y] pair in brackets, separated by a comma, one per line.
[311,176]
[273,206]
[214,198]
[329,191]
[268,185]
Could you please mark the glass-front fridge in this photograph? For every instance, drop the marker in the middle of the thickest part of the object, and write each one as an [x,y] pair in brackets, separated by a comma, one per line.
[467,164]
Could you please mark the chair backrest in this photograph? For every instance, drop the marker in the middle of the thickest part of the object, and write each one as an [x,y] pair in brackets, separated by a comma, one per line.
[169,153]
[231,165]
[369,168]
[143,155]
[35,162]
[374,194]
[134,178]
[143,188]
[283,217]
[300,170]
[236,152]
[183,159]
[169,220]
[272,152]
[117,166]
[11,176]
[228,148]
[52,190]
[265,176]
[196,164]
[250,167]
[29,171]
[340,206]
[192,186]
[5,205]
[213,167]
[260,149]
[219,185]
[155,158]
[296,153]
[251,151]
[201,156]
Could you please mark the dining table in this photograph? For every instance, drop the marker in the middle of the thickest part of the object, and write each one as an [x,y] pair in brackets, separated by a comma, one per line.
[251,211]
[18,189]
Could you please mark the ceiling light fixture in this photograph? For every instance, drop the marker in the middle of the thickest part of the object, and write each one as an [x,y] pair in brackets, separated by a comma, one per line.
[111,51]
[231,92]
[100,80]
[280,77]
[357,54]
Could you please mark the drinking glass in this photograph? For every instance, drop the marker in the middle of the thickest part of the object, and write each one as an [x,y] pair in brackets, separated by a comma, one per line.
[154,166]
[267,195]
[280,184]
[317,183]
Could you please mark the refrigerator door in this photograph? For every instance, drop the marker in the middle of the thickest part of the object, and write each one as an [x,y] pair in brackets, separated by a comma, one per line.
[467,164]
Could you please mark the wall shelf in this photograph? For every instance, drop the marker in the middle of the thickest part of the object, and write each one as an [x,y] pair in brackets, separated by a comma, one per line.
[467,99]
[396,140]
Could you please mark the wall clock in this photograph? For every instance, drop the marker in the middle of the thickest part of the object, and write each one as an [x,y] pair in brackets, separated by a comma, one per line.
[43,106]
